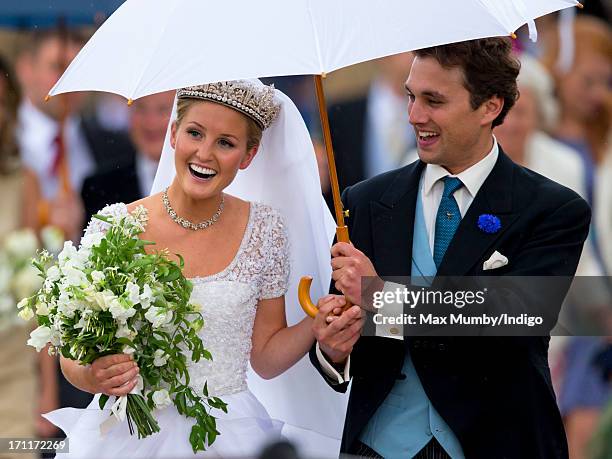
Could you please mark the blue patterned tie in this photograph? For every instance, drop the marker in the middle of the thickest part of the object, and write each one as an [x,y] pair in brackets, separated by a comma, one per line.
[447,219]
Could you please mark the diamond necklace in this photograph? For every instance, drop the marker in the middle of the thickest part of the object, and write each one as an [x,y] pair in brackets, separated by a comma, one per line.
[186,223]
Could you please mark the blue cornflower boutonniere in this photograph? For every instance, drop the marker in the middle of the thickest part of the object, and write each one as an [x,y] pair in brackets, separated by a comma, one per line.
[488,223]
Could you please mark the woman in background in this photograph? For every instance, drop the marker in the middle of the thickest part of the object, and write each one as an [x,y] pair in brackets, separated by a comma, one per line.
[585,101]
[17,361]
[584,94]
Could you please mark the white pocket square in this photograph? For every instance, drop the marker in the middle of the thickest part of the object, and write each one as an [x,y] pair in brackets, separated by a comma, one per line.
[497,260]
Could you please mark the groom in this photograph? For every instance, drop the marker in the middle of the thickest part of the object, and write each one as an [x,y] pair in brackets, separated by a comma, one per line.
[442,397]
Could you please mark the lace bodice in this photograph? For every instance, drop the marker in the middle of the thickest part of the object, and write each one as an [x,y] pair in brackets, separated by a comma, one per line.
[228,299]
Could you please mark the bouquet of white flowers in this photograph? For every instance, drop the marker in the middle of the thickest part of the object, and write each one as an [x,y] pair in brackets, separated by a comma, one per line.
[110,296]
[18,278]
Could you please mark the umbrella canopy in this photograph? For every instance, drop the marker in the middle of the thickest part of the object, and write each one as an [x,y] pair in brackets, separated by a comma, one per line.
[150,46]
[46,13]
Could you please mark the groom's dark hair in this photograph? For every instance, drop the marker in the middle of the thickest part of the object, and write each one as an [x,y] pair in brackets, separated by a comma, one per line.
[489,69]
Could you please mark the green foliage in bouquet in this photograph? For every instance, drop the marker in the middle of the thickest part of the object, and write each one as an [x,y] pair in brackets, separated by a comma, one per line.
[110,296]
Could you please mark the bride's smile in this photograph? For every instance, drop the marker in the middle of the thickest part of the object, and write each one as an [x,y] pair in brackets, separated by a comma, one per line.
[201,172]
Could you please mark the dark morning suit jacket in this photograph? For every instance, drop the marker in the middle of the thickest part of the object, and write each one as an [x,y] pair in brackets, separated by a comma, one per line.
[495,393]
[116,184]
[108,148]
[347,122]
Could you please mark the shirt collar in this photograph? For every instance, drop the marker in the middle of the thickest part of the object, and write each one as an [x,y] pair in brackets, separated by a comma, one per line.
[146,169]
[384,104]
[32,119]
[472,178]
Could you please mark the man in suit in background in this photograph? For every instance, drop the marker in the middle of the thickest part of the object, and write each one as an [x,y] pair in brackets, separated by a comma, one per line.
[148,121]
[450,397]
[370,134]
[86,146]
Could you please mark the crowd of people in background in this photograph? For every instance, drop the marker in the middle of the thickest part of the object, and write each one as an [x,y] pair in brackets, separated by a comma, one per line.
[63,159]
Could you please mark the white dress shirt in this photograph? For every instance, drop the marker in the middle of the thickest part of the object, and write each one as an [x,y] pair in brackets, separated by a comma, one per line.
[36,133]
[146,168]
[433,187]
[389,135]
[431,195]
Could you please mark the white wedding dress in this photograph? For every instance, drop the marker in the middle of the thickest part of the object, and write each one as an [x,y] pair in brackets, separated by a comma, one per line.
[260,270]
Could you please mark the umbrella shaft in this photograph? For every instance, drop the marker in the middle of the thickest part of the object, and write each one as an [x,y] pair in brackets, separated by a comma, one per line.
[333,176]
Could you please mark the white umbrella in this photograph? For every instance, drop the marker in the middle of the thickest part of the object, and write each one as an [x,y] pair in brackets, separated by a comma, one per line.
[150,46]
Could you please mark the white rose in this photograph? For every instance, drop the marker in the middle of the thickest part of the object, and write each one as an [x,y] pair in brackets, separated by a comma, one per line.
[53,274]
[26,282]
[40,337]
[161,398]
[160,358]
[98,277]
[42,309]
[22,303]
[73,258]
[146,297]
[133,293]
[47,286]
[65,304]
[158,316]
[129,350]
[74,276]
[138,324]
[69,252]
[25,314]
[64,295]
[123,331]
[21,245]
[91,240]
[120,312]
[103,299]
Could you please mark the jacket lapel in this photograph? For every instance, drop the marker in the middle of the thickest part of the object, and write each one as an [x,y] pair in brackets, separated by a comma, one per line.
[470,243]
[393,223]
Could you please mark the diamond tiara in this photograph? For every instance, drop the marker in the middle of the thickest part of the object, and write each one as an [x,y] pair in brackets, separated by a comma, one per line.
[256,102]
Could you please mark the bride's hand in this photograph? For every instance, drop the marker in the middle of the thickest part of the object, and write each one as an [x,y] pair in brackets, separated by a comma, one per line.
[113,375]
[337,334]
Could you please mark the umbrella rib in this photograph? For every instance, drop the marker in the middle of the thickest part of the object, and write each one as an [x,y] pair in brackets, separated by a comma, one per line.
[485,6]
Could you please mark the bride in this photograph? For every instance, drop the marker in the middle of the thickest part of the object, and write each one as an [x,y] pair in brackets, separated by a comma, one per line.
[237,254]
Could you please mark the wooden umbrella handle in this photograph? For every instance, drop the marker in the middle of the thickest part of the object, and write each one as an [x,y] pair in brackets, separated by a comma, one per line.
[306,302]
[304,296]
[342,235]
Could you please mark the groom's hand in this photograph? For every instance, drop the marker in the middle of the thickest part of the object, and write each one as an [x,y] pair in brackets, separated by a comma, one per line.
[349,266]
[337,334]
